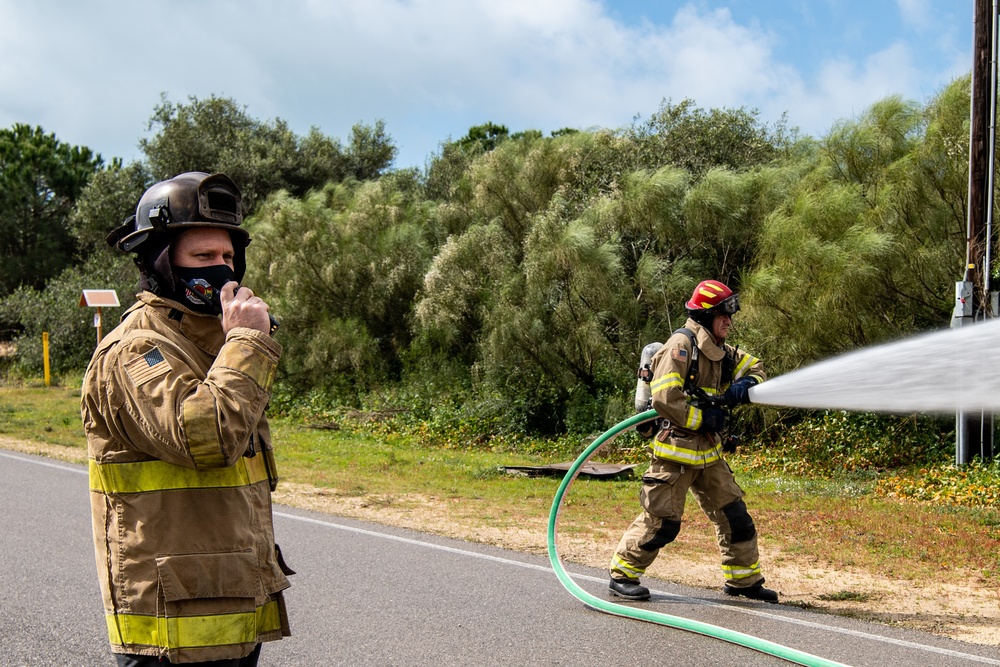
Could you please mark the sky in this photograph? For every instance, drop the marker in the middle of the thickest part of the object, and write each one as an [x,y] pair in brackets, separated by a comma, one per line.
[92,72]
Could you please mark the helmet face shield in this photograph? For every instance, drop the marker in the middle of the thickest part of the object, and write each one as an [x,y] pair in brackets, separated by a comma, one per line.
[219,200]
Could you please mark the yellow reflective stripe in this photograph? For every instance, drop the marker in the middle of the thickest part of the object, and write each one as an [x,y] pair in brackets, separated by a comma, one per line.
[694,414]
[193,631]
[693,420]
[665,382]
[742,367]
[731,572]
[671,452]
[626,568]
[145,476]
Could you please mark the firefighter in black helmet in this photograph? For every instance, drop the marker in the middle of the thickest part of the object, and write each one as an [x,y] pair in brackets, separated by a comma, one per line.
[687,449]
[188,201]
[182,464]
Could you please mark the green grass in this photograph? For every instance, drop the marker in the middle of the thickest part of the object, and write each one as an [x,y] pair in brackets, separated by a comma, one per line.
[835,521]
[43,414]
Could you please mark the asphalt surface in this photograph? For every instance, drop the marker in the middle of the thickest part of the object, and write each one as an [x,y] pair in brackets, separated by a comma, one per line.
[366,594]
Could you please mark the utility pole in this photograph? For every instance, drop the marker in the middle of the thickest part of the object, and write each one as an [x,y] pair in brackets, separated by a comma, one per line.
[974,296]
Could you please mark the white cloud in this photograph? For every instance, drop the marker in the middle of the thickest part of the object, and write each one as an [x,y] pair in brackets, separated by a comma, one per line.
[916,13]
[430,68]
[843,89]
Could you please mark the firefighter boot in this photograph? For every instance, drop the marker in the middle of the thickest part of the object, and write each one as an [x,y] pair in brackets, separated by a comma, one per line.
[630,590]
[755,592]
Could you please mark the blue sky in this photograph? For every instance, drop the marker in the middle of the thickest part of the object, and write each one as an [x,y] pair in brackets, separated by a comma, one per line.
[91,72]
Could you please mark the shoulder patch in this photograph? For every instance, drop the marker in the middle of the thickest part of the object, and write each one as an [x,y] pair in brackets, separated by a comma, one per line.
[679,353]
[147,366]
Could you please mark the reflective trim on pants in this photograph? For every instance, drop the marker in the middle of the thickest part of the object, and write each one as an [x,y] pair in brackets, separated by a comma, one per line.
[737,572]
[618,564]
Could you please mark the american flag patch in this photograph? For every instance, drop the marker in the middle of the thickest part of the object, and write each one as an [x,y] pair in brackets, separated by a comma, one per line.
[680,354]
[147,366]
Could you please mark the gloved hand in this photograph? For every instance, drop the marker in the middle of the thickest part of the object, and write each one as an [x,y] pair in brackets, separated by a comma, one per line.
[648,429]
[713,420]
[739,391]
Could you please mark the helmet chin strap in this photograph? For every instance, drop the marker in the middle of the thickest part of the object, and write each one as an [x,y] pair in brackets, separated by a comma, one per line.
[155,272]
[703,317]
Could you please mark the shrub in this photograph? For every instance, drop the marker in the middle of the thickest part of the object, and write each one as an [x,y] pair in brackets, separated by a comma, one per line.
[831,441]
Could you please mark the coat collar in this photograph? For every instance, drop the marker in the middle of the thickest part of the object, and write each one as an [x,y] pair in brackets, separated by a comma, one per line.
[205,331]
[706,341]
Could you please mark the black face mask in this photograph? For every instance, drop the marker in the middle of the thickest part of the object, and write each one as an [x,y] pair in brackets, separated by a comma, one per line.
[199,288]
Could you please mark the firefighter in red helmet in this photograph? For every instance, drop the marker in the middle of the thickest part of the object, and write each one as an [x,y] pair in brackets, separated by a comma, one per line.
[695,366]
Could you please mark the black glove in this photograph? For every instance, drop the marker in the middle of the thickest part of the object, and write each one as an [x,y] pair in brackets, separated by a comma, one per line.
[648,429]
[713,420]
[739,391]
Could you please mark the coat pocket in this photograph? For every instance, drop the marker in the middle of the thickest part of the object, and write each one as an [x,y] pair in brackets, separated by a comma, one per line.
[208,599]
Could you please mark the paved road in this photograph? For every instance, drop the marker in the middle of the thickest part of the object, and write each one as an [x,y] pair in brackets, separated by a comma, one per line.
[370,595]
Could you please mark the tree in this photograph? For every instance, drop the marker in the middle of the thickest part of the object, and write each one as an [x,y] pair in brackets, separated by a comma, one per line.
[867,245]
[557,278]
[446,171]
[484,138]
[370,152]
[216,134]
[696,140]
[109,198]
[54,309]
[341,268]
[40,179]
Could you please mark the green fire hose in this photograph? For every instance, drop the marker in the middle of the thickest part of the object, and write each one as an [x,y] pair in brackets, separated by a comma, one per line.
[731,636]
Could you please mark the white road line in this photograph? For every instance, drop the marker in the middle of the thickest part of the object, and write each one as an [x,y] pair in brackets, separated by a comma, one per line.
[751,612]
[47,464]
[545,568]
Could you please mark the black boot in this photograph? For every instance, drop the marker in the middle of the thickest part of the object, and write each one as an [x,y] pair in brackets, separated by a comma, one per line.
[755,592]
[630,590]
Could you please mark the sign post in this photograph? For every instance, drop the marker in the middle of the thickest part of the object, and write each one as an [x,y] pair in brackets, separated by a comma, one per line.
[99,298]
[45,358]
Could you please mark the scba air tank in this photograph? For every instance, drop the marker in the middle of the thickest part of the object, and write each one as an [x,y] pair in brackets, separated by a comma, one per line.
[642,391]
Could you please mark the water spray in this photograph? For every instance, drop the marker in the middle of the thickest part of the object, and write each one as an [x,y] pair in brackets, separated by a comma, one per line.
[941,372]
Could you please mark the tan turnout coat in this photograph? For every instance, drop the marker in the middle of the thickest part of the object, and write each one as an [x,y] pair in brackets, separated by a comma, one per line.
[681,439]
[181,474]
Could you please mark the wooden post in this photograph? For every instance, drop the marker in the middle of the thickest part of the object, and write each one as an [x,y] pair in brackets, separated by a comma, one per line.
[974,430]
[45,357]
[98,298]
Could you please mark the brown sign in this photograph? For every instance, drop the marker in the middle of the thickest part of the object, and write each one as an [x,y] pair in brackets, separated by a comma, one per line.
[99,298]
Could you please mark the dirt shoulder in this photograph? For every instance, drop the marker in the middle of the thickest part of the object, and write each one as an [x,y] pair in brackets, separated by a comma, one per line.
[964,610]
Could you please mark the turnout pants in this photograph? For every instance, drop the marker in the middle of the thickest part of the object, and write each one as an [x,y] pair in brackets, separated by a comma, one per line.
[125,660]
[664,489]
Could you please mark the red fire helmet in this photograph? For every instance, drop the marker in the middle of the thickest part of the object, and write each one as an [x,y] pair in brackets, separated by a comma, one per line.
[713,295]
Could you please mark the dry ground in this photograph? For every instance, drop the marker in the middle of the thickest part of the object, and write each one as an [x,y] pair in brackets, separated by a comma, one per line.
[964,611]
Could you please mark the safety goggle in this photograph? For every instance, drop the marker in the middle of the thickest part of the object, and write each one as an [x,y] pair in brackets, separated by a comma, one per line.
[730,305]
